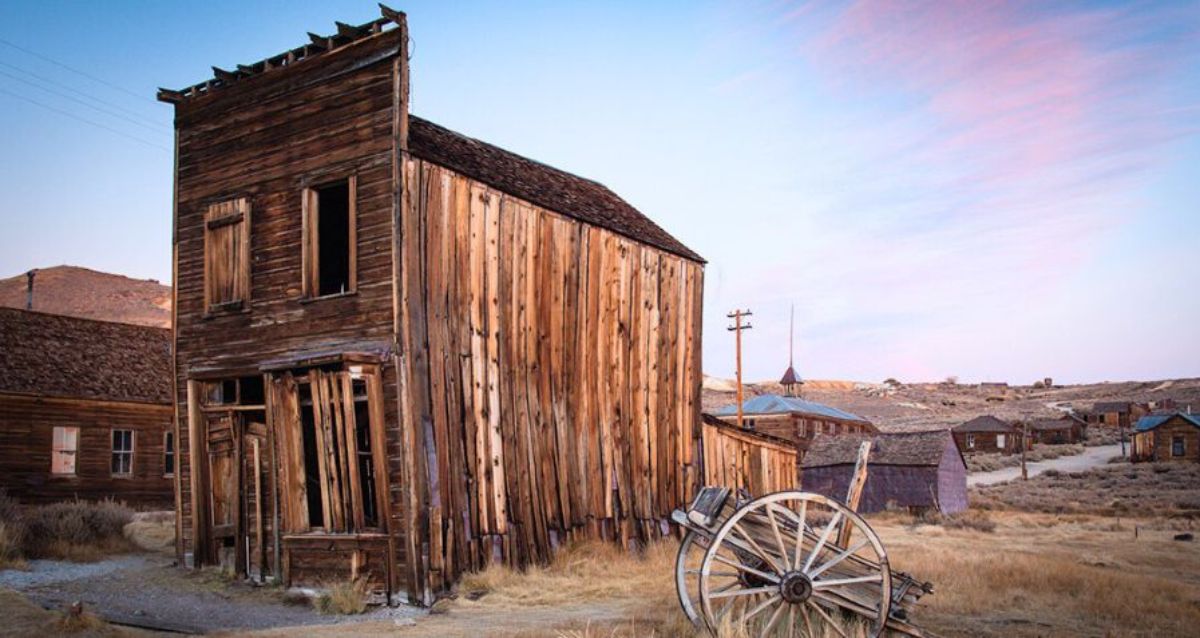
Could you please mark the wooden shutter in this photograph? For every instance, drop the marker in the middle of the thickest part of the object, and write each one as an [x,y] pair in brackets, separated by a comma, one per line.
[227,254]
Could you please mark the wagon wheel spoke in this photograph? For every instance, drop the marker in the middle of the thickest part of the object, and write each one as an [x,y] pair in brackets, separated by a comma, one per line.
[839,558]
[837,582]
[763,554]
[808,622]
[783,553]
[828,619]
[791,621]
[745,568]
[761,607]
[801,523]
[774,618]
[743,592]
[822,540]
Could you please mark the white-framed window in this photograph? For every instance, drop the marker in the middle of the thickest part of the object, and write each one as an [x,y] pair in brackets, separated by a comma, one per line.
[122,452]
[64,450]
[1001,440]
[168,453]
[971,441]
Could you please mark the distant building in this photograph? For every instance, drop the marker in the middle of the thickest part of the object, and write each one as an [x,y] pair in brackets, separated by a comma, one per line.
[1117,414]
[915,470]
[987,434]
[1167,437]
[1068,428]
[795,419]
[994,386]
[85,410]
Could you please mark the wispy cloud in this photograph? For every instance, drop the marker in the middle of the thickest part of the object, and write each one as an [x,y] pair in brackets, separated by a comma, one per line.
[978,153]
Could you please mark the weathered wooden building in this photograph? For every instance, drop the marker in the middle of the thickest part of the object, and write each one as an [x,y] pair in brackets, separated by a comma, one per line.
[988,434]
[745,459]
[1167,437]
[911,470]
[1067,428]
[1116,414]
[402,352]
[795,419]
[85,410]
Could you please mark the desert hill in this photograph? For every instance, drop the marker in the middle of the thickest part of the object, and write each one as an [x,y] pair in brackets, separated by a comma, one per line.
[81,292]
[921,406]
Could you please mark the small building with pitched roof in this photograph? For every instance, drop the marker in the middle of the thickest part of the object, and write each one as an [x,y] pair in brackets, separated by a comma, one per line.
[1167,437]
[987,434]
[912,470]
[796,419]
[85,410]
[1068,428]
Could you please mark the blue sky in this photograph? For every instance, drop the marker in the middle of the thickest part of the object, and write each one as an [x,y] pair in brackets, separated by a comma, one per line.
[988,190]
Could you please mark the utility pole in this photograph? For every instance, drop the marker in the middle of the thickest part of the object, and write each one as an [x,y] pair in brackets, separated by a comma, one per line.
[1024,444]
[737,329]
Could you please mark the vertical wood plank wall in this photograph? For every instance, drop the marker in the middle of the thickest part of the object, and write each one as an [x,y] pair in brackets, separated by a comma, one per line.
[742,460]
[554,377]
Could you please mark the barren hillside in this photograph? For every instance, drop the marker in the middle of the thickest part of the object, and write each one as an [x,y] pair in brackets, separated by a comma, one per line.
[80,292]
[922,406]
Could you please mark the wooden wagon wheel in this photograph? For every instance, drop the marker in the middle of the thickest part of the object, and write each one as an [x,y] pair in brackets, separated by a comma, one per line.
[687,574]
[788,563]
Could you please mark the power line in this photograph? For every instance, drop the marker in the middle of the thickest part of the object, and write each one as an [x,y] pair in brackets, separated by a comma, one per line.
[82,119]
[52,81]
[158,128]
[75,70]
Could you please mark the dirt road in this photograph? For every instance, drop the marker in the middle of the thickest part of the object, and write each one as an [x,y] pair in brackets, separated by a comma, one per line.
[1092,457]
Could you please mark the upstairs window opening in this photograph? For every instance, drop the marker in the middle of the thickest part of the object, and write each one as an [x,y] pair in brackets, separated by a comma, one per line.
[330,239]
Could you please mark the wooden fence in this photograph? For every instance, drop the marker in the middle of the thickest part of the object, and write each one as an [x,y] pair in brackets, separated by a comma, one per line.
[739,458]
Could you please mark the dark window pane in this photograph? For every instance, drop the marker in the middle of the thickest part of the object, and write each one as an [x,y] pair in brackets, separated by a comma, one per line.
[333,233]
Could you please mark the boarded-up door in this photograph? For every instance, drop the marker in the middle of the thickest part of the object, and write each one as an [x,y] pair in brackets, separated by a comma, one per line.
[224,487]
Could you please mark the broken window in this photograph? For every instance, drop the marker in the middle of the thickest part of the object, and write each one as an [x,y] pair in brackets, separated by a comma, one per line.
[168,453]
[333,450]
[330,238]
[227,255]
[63,450]
[122,452]
[970,440]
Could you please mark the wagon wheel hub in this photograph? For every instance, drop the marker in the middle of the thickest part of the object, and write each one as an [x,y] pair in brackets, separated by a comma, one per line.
[795,587]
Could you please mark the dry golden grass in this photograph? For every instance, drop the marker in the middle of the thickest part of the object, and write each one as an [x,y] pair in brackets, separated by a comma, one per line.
[154,533]
[343,598]
[20,617]
[10,549]
[1033,575]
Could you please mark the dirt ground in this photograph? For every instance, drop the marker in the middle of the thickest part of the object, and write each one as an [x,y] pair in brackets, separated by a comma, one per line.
[1035,575]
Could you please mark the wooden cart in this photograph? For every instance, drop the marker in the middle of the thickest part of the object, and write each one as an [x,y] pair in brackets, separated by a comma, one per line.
[788,564]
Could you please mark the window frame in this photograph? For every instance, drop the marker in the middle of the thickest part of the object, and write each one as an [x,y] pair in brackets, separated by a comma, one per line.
[113,451]
[74,451]
[1178,443]
[217,215]
[310,247]
[1001,440]
[970,441]
[170,452]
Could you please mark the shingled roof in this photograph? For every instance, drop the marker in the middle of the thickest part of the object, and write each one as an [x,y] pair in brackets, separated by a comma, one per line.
[546,186]
[985,423]
[54,355]
[897,448]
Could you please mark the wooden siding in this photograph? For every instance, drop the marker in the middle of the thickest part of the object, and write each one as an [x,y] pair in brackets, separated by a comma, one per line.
[988,442]
[26,429]
[1156,444]
[743,460]
[551,373]
[266,139]
[942,486]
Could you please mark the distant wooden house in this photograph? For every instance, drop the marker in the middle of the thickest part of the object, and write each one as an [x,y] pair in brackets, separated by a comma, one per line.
[85,410]
[914,470]
[739,458]
[1167,437]
[994,387]
[1117,414]
[987,434]
[1068,428]
[795,419]
[403,353]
